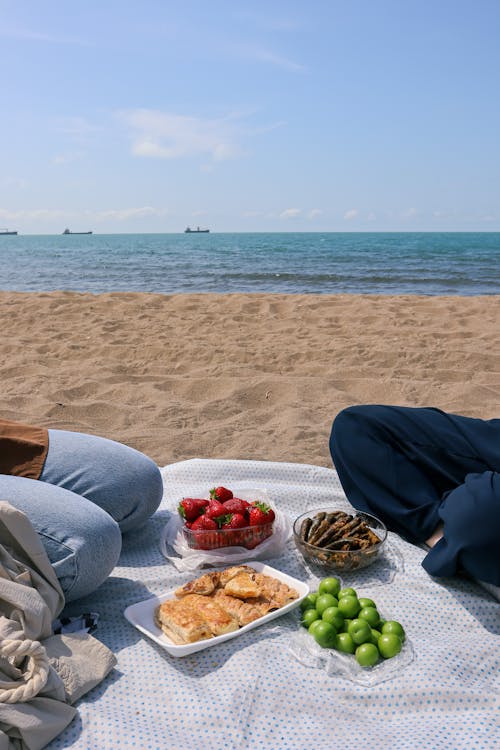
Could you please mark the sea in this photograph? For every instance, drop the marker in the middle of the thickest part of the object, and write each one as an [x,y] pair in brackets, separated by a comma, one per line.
[422,263]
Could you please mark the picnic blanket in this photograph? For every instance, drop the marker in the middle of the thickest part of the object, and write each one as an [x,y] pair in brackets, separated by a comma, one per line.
[253,692]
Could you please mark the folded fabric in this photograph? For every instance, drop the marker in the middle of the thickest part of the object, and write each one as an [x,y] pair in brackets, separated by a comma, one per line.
[41,674]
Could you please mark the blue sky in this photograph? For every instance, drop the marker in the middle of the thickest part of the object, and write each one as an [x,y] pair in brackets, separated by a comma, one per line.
[367,115]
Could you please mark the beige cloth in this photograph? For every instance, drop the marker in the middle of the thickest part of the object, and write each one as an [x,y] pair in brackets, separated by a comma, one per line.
[41,674]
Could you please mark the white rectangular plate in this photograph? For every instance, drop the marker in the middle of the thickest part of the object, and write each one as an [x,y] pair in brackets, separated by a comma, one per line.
[141,615]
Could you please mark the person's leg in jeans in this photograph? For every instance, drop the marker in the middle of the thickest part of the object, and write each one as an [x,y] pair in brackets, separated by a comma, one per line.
[91,489]
[82,541]
[120,480]
[407,466]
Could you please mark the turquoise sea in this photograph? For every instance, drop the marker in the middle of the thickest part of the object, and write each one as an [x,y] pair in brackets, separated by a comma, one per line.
[324,263]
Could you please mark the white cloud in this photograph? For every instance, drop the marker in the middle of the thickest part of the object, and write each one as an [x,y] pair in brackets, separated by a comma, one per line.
[290,213]
[372,216]
[124,214]
[163,135]
[38,214]
[267,21]
[67,158]
[251,214]
[40,36]
[351,214]
[49,214]
[410,213]
[266,56]
[13,183]
[314,213]
[78,129]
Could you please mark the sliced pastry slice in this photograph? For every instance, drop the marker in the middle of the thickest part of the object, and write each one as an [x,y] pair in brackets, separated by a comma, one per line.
[204,585]
[244,612]
[226,575]
[181,623]
[243,586]
[275,592]
[218,619]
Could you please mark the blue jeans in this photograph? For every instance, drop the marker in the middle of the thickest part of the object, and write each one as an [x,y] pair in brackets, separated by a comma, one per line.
[90,491]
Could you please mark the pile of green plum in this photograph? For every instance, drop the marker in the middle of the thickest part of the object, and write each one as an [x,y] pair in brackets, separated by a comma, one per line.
[337,618]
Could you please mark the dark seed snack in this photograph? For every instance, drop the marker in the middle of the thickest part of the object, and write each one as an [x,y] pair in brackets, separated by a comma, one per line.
[305,528]
[337,531]
[315,522]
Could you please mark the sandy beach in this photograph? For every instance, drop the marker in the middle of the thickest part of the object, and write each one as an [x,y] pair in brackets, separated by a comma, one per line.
[244,376]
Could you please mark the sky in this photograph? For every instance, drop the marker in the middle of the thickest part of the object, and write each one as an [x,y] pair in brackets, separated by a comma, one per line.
[151,115]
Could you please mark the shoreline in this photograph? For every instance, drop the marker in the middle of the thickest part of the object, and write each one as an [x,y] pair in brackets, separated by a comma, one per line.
[245,376]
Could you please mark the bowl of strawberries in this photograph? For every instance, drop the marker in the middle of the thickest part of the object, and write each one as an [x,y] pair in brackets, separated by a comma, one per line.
[224,520]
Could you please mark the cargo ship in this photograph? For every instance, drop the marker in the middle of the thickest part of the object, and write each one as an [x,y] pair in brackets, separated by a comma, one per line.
[7,231]
[67,231]
[198,230]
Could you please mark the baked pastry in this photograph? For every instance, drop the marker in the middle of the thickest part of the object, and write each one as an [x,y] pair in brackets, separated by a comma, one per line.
[181,623]
[218,619]
[243,586]
[221,602]
[234,570]
[205,585]
[243,612]
[273,591]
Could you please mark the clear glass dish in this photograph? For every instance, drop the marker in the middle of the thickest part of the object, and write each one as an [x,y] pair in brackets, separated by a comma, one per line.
[336,559]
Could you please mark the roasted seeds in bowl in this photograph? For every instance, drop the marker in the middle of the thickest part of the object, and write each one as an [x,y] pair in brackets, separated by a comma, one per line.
[337,539]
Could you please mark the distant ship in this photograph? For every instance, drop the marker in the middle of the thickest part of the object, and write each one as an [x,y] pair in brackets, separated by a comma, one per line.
[7,231]
[188,230]
[66,231]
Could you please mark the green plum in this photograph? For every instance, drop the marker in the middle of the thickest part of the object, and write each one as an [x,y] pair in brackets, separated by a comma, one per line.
[392,626]
[367,654]
[389,644]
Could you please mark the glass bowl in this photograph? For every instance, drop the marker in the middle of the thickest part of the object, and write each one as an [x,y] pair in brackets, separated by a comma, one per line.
[340,559]
[247,536]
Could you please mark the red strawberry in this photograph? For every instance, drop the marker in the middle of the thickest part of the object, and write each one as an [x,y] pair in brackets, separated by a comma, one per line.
[201,528]
[234,521]
[260,514]
[203,523]
[191,507]
[215,509]
[236,505]
[221,494]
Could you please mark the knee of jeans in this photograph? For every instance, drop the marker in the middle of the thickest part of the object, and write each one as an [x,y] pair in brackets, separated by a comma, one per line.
[149,484]
[94,558]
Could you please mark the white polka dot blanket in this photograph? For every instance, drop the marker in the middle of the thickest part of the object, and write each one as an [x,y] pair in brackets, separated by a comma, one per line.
[271,687]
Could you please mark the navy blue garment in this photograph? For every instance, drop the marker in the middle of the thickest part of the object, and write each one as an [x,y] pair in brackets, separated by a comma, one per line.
[416,467]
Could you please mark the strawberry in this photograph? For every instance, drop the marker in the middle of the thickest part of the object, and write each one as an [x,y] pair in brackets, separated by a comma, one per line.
[221,493]
[191,507]
[215,509]
[236,505]
[203,523]
[234,521]
[259,514]
[201,536]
